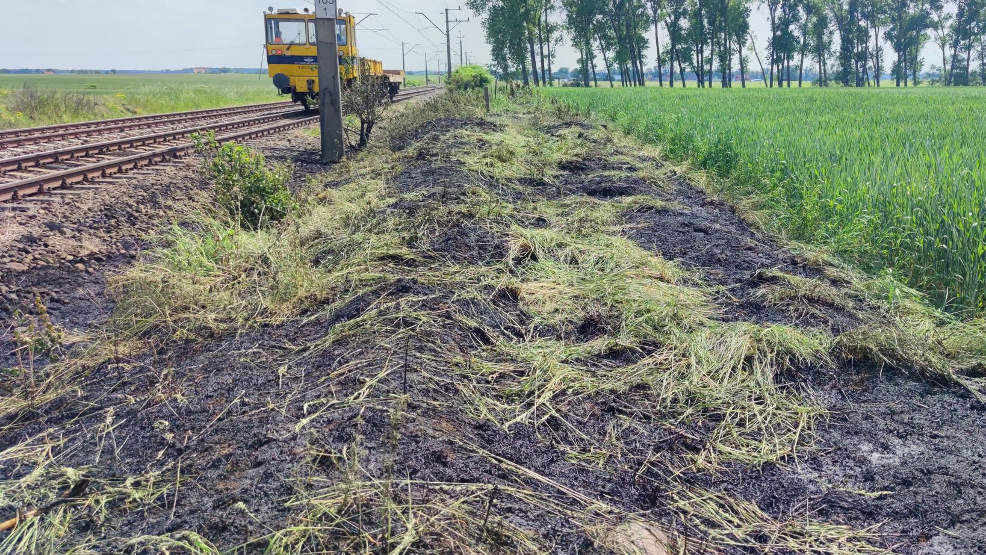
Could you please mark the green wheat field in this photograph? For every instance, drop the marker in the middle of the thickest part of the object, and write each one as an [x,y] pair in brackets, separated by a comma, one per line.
[894,180]
[30,100]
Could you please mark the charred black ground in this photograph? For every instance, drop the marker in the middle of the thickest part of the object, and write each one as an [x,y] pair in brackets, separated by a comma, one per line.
[476,337]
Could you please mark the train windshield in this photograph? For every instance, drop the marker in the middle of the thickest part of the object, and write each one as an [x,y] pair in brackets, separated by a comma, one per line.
[286,31]
[340,32]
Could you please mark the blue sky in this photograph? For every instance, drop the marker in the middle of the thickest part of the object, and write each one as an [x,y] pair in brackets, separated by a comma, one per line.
[152,34]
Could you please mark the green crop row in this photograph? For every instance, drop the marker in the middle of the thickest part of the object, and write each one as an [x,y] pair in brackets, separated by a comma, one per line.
[894,180]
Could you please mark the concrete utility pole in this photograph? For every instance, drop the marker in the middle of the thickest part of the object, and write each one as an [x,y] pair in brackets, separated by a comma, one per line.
[404,52]
[461,62]
[447,32]
[329,87]
[438,61]
[448,36]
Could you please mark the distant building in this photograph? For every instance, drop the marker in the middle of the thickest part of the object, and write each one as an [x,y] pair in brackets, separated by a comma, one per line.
[200,70]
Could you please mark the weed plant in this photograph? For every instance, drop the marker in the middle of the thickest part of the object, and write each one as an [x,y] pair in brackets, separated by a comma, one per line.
[249,191]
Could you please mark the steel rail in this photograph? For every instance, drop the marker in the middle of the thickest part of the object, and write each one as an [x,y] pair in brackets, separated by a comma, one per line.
[8,133]
[75,133]
[41,159]
[45,182]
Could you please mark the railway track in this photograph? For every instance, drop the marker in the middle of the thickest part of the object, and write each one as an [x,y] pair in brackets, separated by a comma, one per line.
[23,141]
[98,152]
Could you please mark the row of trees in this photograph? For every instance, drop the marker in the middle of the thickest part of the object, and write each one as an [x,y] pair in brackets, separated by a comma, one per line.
[851,42]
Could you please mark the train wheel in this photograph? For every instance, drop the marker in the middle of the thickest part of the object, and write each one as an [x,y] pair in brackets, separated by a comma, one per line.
[306,103]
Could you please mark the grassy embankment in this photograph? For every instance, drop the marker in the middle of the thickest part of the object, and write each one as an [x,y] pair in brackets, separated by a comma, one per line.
[31,100]
[450,345]
[890,179]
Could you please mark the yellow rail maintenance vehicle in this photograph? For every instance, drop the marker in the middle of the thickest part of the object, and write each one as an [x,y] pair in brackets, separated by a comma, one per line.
[292,55]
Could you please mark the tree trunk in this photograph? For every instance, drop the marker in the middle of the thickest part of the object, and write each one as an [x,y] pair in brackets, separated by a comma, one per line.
[944,62]
[700,65]
[739,53]
[759,61]
[968,62]
[671,59]
[632,51]
[712,57]
[609,72]
[592,64]
[819,55]
[636,54]
[634,79]
[914,68]
[771,47]
[660,63]
[534,60]
[544,77]
[982,62]
[681,71]
[866,60]
[903,67]
[727,79]
[801,64]
[586,52]
[899,62]
[877,69]
[547,32]
[789,70]
[955,52]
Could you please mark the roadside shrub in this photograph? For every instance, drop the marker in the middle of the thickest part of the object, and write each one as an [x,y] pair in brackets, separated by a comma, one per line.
[51,105]
[469,77]
[245,187]
[366,100]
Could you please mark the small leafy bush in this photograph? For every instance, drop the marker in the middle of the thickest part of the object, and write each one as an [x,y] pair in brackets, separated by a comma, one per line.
[366,100]
[245,187]
[469,77]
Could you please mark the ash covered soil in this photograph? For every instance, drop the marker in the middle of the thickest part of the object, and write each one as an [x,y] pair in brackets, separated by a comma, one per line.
[60,251]
[520,332]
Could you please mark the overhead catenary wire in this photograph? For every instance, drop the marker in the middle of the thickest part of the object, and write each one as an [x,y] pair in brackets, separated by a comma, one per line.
[394,10]
[383,36]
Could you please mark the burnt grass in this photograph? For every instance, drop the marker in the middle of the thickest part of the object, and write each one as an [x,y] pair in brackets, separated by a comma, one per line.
[917,447]
[246,423]
[710,236]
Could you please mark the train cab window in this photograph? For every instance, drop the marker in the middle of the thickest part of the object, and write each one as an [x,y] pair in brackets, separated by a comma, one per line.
[340,32]
[286,31]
